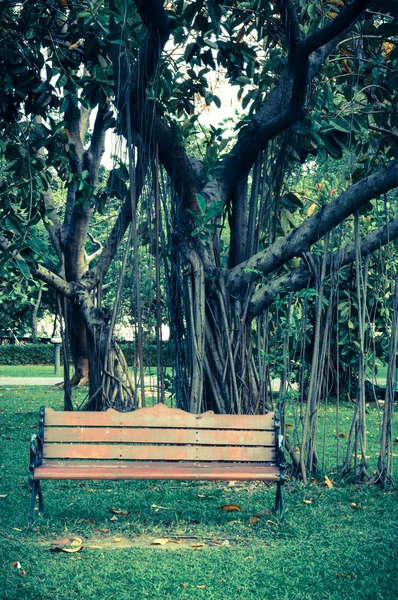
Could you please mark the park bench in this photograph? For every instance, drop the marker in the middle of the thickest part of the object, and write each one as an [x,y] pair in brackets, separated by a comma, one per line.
[155,443]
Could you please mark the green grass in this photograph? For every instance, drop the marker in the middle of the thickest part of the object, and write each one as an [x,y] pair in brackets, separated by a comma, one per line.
[325,550]
[48,371]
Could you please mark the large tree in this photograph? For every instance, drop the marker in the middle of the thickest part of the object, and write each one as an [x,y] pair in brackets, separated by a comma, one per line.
[315,80]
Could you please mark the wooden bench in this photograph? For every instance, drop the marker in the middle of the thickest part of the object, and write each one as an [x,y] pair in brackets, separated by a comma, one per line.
[155,443]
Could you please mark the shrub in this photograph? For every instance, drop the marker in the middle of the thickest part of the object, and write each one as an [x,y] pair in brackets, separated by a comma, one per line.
[43,354]
[28,354]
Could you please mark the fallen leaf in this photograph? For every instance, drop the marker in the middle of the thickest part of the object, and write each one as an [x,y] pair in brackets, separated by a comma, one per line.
[3,495]
[16,564]
[118,511]
[232,522]
[198,545]
[200,587]
[156,507]
[17,529]
[289,425]
[68,550]
[225,543]
[76,542]
[117,540]
[159,542]
[184,585]
[342,435]
[354,505]
[230,508]
[61,542]
[254,520]
[247,558]
[307,501]
[177,541]
[328,482]
[231,483]
[350,576]
[114,518]
[87,520]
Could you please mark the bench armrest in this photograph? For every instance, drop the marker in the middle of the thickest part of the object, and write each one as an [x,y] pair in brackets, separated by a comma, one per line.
[36,446]
[36,452]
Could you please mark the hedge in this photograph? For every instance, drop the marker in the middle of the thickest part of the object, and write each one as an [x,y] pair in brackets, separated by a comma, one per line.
[43,354]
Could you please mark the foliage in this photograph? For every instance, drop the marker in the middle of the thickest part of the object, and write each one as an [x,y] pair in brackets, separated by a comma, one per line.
[43,354]
[28,354]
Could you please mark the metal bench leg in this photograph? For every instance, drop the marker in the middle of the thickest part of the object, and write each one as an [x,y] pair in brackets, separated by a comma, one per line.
[32,503]
[279,504]
[36,491]
[39,493]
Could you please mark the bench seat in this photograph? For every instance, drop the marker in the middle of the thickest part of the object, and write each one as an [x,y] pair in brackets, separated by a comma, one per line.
[150,470]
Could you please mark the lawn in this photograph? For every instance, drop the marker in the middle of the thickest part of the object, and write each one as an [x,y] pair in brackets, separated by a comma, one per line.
[341,545]
[48,371]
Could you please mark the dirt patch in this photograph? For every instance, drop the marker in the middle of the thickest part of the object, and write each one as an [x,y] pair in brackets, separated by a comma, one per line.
[115,542]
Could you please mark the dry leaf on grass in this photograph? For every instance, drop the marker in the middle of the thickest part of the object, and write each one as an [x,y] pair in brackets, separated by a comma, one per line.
[184,585]
[289,425]
[328,482]
[118,511]
[254,520]
[114,518]
[157,507]
[355,506]
[230,508]
[3,495]
[198,545]
[177,541]
[309,501]
[200,587]
[117,540]
[75,546]
[159,542]
[342,435]
[61,542]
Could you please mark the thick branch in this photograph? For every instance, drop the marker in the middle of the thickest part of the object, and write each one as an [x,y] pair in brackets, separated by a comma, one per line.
[330,215]
[93,156]
[337,26]
[291,25]
[303,276]
[285,105]
[53,280]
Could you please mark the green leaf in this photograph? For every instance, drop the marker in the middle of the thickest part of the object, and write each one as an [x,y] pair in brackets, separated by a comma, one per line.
[244,80]
[201,202]
[215,14]
[23,267]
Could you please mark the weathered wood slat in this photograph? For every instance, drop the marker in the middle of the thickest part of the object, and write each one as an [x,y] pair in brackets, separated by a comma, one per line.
[175,453]
[220,437]
[158,416]
[138,471]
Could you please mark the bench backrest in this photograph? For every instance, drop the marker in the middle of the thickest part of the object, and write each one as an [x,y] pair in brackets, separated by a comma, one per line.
[159,433]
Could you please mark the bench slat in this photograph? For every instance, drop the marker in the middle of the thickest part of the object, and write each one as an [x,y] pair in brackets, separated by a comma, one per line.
[177,453]
[221,437]
[138,471]
[158,416]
